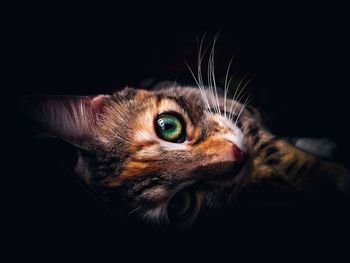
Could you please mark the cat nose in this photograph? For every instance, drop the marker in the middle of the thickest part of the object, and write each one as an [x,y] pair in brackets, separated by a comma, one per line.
[238,154]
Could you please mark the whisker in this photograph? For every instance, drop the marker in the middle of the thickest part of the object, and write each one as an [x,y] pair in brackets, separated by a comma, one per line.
[212,67]
[209,85]
[209,79]
[199,79]
[225,85]
[243,88]
[200,88]
[173,86]
[248,99]
[234,95]
[199,70]
[200,59]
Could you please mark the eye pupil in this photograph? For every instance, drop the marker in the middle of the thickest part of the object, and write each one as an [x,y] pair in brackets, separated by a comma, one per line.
[168,126]
[180,204]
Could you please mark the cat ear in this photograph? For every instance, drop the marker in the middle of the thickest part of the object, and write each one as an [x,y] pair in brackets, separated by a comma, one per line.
[73,118]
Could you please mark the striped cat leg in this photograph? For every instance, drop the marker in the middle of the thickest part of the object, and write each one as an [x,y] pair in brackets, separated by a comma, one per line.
[274,157]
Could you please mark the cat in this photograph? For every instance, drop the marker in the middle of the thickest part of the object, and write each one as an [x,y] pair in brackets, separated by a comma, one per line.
[174,154]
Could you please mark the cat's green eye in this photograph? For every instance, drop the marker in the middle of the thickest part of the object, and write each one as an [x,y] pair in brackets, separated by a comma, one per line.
[170,127]
[181,207]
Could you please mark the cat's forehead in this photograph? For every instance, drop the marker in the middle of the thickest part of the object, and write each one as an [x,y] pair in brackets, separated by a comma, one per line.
[160,101]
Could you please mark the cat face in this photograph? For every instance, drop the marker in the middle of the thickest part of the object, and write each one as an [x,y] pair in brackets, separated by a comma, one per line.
[169,156]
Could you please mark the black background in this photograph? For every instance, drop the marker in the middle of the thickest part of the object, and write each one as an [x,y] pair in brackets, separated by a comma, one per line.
[301,54]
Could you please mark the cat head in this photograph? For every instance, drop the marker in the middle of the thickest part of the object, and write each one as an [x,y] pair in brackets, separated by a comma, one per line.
[168,154]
